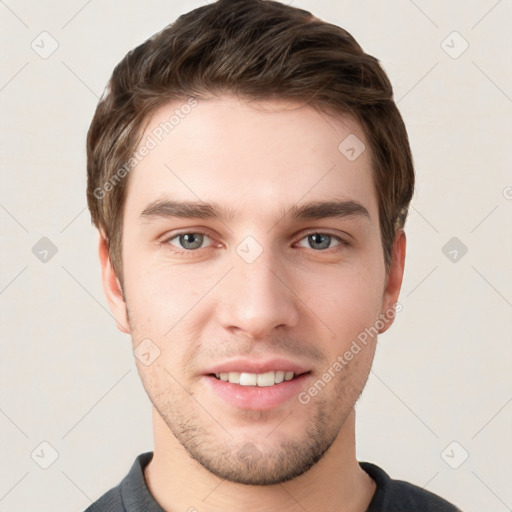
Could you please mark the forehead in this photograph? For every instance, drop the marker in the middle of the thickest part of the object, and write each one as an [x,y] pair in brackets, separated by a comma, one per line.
[250,156]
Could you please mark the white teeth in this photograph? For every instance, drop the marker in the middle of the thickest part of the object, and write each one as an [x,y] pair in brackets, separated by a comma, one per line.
[234,377]
[266,379]
[255,379]
[248,379]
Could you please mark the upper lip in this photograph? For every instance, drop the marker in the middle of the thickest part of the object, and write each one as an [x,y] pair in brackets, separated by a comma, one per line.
[257,366]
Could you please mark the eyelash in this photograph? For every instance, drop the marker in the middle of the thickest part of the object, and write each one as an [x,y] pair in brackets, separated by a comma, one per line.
[190,252]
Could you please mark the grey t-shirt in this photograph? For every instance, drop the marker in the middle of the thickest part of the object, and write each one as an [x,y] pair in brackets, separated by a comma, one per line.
[132,494]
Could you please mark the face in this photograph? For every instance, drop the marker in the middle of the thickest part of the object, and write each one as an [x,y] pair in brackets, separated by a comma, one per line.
[251,250]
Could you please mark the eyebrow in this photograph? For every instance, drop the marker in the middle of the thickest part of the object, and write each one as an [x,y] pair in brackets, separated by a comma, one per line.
[315,210]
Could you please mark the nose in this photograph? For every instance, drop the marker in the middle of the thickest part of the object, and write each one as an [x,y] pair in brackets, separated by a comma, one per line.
[257,297]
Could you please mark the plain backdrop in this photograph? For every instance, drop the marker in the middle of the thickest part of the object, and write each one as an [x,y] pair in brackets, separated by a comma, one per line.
[437,409]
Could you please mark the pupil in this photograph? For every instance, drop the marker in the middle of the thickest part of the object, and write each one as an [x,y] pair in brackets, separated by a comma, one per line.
[189,239]
[317,239]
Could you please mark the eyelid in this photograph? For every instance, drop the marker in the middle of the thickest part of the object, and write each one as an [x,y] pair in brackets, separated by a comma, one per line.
[170,236]
[320,231]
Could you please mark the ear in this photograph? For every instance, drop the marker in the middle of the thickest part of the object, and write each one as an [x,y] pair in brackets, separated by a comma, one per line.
[112,287]
[394,280]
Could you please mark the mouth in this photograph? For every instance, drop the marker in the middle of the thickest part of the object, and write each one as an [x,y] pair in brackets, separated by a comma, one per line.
[267,379]
[266,391]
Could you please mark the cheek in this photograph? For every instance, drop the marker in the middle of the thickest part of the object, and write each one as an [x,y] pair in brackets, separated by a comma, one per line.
[159,294]
[164,304]
[345,302]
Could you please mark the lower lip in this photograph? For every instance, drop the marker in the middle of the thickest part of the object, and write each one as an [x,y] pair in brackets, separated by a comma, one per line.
[256,397]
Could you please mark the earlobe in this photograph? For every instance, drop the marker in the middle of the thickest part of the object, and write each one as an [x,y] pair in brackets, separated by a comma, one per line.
[394,279]
[112,287]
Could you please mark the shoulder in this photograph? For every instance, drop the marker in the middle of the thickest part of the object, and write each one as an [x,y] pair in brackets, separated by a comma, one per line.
[131,494]
[111,501]
[399,496]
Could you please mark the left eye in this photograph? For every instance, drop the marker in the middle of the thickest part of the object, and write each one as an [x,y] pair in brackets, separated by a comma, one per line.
[189,241]
[322,240]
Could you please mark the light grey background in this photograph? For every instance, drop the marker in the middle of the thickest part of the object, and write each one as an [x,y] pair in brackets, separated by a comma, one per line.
[442,372]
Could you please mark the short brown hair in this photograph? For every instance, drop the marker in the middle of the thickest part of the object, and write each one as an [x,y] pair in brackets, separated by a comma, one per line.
[256,49]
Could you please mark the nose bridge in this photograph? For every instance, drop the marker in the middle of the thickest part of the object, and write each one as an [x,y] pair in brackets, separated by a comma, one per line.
[256,297]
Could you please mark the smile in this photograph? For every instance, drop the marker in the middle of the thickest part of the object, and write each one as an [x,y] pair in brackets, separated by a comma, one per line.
[255,379]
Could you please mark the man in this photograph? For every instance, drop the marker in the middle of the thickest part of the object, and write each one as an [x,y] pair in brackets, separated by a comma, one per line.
[250,176]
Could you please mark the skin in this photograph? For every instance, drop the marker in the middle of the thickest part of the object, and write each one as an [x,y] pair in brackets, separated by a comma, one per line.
[299,299]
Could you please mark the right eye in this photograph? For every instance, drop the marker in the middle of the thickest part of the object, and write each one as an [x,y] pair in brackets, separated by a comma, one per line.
[189,241]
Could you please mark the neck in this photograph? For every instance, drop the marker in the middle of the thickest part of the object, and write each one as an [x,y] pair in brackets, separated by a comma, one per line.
[335,482]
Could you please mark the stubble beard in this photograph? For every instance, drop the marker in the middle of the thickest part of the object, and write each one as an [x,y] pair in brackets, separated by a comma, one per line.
[260,460]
